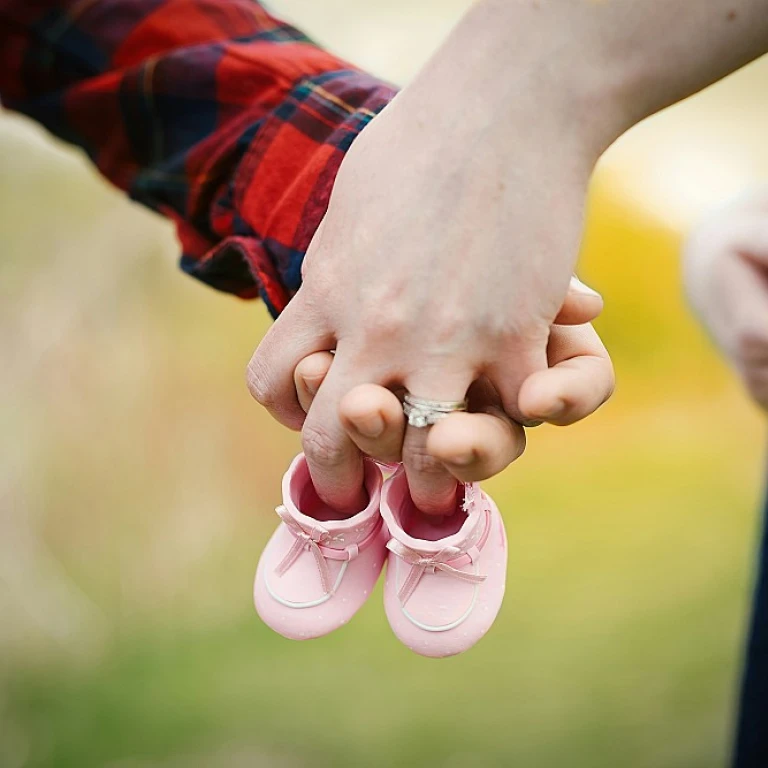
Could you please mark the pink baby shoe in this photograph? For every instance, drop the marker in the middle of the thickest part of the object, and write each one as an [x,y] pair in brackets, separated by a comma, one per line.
[445,575]
[319,567]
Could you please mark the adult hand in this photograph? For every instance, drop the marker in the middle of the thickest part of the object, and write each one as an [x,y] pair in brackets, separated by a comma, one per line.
[427,302]
[456,217]
[443,260]
[726,276]
[472,446]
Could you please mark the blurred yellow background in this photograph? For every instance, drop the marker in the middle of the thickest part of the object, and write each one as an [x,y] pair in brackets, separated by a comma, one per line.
[137,482]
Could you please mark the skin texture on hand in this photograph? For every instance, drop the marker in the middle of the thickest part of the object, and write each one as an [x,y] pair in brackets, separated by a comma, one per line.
[476,445]
[455,223]
[443,260]
[409,296]
[726,277]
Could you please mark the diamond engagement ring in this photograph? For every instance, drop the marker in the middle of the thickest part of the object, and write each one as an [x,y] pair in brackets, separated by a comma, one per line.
[423,413]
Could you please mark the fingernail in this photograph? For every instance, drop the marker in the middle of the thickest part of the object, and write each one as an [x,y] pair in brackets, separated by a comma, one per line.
[372,426]
[580,287]
[530,423]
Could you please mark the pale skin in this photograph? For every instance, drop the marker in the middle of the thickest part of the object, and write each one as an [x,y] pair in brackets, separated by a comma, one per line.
[478,445]
[454,227]
[726,276]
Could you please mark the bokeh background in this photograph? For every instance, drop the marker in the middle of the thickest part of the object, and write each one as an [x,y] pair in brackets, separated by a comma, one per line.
[138,479]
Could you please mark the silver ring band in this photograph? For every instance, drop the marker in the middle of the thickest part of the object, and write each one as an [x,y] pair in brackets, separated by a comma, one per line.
[422,412]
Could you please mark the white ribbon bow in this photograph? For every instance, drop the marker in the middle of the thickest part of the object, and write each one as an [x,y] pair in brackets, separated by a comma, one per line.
[421,564]
[305,540]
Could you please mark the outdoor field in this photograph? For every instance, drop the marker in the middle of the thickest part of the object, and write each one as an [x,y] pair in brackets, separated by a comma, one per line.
[138,481]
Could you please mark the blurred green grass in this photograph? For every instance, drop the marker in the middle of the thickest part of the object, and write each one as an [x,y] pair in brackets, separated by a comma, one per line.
[616,646]
[136,492]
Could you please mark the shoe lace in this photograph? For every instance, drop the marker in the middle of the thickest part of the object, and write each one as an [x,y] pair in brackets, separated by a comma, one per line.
[421,564]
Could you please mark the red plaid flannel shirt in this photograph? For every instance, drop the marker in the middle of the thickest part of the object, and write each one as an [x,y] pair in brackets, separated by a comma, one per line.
[212,112]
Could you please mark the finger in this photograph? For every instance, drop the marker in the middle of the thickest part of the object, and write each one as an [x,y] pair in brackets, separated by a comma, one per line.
[432,486]
[374,420]
[334,461]
[515,366]
[309,375]
[297,333]
[580,380]
[476,446]
[582,304]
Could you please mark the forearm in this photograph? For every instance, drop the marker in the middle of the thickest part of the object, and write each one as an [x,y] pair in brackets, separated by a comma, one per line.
[644,55]
[624,60]
[524,96]
[600,65]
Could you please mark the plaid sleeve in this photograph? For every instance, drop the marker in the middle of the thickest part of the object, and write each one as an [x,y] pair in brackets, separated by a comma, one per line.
[212,112]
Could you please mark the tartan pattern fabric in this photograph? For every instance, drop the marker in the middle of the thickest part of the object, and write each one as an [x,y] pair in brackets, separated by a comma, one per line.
[212,112]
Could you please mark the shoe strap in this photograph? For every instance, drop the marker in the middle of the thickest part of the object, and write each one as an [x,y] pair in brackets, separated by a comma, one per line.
[448,560]
[315,540]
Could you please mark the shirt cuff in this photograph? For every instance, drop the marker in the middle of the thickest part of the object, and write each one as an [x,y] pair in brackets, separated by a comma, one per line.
[261,218]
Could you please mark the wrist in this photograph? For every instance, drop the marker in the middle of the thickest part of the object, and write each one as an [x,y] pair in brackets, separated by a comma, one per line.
[613,64]
[570,66]
[520,69]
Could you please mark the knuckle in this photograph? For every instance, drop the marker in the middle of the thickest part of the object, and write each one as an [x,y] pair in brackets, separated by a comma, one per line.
[424,463]
[259,382]
[385,320]
[513,334]
[320,447]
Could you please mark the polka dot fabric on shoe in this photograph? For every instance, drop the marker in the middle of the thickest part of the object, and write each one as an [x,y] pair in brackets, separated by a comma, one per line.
[445,575]
[319,567]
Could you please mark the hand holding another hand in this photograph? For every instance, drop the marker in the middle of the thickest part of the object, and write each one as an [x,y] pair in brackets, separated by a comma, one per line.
[441,266]
[454,226]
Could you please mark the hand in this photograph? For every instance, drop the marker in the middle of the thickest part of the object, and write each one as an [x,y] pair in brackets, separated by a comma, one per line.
[726,276]
[443,261]
[456,217]
[473,446]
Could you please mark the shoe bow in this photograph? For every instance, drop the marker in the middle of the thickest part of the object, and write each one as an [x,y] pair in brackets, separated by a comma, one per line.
[421,564]
[305,539]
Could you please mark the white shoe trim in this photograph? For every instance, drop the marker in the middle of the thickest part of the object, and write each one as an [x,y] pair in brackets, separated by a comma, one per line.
[430,627]
[311,603]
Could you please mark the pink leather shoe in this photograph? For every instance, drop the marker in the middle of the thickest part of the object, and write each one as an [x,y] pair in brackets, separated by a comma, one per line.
[445,576]
[317,570]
